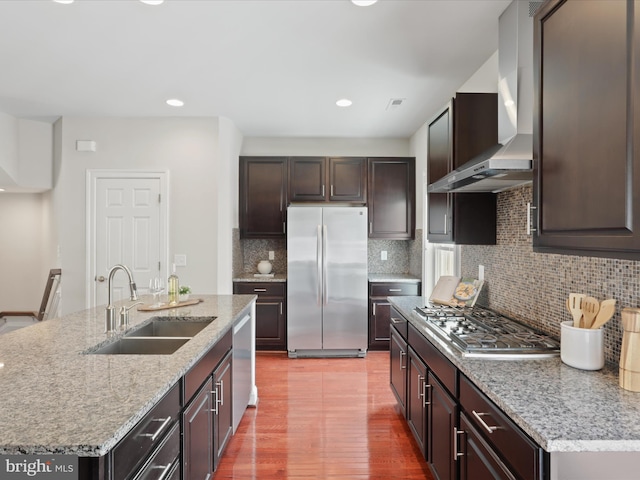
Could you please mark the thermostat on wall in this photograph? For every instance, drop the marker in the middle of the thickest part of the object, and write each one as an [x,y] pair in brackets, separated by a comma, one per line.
[86,146]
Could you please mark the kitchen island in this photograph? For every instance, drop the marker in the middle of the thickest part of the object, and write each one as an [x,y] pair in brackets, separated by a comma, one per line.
[589,426]
[58,398]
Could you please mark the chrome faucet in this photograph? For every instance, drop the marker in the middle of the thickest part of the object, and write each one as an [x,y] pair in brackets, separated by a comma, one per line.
[111,324]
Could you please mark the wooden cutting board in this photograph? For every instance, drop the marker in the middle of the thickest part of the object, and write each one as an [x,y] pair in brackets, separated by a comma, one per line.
[166,306]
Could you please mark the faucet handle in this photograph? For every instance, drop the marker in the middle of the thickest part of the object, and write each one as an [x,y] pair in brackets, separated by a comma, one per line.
[124,314]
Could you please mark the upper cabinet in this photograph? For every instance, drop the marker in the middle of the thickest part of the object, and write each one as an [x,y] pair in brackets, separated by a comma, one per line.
[333,179]
[385,185]
[391,198]
[263,197]
[465,128]
[587,128]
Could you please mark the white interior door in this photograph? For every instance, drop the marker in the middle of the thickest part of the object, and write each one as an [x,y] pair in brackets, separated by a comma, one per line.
[128,226]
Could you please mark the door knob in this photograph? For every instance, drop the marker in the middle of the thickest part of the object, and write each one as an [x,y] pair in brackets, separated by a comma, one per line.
[100,279]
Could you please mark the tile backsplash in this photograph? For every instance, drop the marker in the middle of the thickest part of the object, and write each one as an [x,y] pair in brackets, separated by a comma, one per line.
[533,287]
[402,256]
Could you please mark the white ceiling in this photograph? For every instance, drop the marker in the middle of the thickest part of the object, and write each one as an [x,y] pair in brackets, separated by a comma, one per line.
[274,67]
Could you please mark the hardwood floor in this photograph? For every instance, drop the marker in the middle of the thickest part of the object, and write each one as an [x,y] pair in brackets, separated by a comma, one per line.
[323,419]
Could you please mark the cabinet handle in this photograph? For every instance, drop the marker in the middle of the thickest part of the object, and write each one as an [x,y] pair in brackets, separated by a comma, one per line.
[165,470]
[153,436]
[456,454]
[215,401]
[332,190]
[530,218]
[259,289]
[425,396]
[374,309]
[284,227]
[280,308]
[221,384]
[370,228]
[395,289]
[323,190]
[445,223]
[403,366]
[420,390]
[479,416]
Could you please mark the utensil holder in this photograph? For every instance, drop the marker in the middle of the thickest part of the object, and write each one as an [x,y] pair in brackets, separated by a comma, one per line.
[582,348]
[629,377]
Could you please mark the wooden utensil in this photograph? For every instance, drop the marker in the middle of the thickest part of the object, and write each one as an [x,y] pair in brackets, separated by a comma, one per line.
[590,308]
[607,309]
[575,307]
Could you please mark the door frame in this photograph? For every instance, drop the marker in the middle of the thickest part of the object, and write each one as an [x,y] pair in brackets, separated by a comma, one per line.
[92,177]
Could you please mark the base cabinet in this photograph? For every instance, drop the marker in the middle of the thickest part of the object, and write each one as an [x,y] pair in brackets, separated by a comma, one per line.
[271,312]
[380,309]
[461,432]
[222,408]
[197,432]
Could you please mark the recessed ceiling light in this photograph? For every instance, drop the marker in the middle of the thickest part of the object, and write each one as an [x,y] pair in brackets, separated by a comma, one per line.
[363,3]
[1,189]
[64,2]
[344,102]
[174,102]
[152,2]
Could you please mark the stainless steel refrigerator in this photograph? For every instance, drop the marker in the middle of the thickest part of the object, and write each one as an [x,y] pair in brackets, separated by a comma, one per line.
[326,281]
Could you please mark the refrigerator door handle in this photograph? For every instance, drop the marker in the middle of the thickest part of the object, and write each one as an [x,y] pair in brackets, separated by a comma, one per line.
[319,265]
[325,283]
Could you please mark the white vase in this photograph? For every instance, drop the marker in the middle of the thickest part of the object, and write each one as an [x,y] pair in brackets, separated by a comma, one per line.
[264,266]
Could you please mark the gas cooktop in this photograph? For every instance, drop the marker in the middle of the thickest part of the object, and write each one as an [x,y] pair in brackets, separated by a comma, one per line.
[480,332]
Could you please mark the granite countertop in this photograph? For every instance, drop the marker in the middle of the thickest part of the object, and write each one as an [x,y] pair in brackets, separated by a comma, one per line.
[562,408]
[393,277]
[57,399]
[249,277]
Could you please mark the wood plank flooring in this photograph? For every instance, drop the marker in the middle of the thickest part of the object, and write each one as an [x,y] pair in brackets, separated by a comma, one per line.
[323,419]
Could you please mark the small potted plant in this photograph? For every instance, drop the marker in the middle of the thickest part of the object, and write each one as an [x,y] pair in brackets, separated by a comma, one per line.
[184,292]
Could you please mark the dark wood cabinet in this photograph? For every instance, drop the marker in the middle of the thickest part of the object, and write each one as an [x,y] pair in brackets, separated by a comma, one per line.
[391,198]
[271,312]
[222,411]
[197,428]
[416,398]
[442,421]
[586,132]
[465,128]
[263,197]
[380,309]
[328,179]
[398,373]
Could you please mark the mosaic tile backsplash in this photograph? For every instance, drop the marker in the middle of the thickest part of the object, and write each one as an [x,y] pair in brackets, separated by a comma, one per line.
[402,256]
[533,287]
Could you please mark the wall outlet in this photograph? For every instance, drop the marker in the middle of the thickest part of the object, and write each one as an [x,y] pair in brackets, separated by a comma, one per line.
[272,255]
[383,255]
[480,272]
[180,259]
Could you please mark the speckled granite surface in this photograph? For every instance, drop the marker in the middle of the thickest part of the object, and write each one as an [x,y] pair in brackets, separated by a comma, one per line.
[56,399]
[393,277]
[562,408]
[249,277]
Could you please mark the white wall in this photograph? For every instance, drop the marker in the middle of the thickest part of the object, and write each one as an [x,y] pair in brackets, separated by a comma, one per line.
[24,253]
[186,147]
[374,147]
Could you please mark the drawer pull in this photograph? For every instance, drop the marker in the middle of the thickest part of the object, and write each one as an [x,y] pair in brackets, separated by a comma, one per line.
[396,321]
[153,436]
[403,366]
[424,395]
[420,390]
[165,470]
[479,416]
[374,309]
[456,454]
[395,290]
[259,289]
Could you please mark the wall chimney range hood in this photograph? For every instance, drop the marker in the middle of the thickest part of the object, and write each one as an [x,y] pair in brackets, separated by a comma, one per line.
[510,162]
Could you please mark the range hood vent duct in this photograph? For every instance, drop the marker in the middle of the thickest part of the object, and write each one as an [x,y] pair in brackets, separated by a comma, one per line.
[510,162]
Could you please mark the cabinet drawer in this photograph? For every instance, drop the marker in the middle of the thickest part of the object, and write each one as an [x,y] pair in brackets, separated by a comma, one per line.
[514,446]
[201,370]
[394,289]
[437,363]
[163,461]
[146,435]
[262,289]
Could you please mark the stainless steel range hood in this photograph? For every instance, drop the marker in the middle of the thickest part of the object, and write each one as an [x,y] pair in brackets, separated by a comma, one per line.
[508,164]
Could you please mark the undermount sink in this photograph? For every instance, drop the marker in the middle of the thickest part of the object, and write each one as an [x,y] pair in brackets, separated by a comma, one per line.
[141,346]
[159,336]
[171,327]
